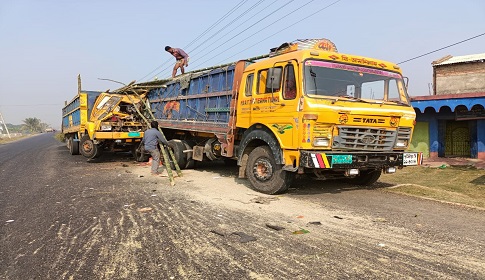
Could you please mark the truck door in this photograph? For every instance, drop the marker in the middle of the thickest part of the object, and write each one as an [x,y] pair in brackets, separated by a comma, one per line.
[245,99]
[275,102]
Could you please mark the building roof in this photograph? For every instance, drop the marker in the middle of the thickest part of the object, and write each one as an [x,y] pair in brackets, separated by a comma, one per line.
[451,101]
[459,59]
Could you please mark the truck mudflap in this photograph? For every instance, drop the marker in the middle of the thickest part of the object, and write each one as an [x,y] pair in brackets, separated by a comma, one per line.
[342,160]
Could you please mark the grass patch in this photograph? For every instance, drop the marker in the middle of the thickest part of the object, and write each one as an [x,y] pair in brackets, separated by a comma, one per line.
[458,184]
[60,137]
[6,140]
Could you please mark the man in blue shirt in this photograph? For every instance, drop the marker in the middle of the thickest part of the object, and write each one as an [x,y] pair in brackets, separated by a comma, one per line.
[151,138]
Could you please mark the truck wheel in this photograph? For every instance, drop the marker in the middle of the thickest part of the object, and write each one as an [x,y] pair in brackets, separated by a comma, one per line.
[264,174]
[178,151]
[366,178]
[73,146]
[138,152]
[189,145]
[88,148]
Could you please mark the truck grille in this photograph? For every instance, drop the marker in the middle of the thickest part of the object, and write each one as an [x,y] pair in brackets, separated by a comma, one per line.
[404,133]
[364,138]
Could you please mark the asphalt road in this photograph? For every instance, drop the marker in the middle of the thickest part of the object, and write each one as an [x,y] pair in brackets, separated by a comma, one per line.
[62,217]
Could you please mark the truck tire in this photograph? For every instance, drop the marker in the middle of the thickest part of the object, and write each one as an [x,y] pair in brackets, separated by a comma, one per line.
[366,178]
[138,152]
[178,151]
[264,174]
[88,149]
[189,145]
[73,146]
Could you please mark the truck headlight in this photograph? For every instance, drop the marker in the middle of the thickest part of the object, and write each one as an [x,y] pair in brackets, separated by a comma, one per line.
[401,144]
[321,142]
[105,127]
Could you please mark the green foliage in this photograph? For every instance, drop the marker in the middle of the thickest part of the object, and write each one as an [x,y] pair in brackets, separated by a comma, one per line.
[60,137]
[33,125]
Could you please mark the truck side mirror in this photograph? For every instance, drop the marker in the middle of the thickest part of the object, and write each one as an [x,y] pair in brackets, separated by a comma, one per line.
[406,82]
[273,80]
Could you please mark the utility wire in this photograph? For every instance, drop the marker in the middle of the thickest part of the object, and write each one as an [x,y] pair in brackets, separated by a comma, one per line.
[264,18]
[291,25]
[227,25]
[200,36]
[442,48]
[217,32]
[217,22]
[274,22]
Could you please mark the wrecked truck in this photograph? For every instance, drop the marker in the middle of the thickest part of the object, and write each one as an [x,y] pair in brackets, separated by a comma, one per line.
[94,122]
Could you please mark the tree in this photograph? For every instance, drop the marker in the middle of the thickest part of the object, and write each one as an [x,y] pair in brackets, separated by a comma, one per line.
[33,124]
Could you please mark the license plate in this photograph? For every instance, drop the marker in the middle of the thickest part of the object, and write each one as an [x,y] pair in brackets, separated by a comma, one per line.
[410,159]
[341,159]
[134,134]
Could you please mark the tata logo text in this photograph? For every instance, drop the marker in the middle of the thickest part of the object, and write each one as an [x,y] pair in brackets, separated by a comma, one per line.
[369,120]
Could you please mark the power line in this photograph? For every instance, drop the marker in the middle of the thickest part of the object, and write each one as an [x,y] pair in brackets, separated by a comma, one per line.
[227,25]
[442,48]
[218,21]
[217,32]
[264,18]
[255,32]
[291,25]
[200,36]
[241,32]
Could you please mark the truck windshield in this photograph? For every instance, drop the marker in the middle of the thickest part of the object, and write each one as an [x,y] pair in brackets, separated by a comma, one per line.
[348,82]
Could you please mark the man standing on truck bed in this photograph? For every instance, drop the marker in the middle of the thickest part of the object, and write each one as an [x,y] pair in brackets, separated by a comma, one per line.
[151,138]
[181,57]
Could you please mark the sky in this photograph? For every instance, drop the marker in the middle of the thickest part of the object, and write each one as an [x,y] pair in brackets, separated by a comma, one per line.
[45,44]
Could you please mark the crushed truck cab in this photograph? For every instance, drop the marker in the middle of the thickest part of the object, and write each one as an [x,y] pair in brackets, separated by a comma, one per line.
[94,122]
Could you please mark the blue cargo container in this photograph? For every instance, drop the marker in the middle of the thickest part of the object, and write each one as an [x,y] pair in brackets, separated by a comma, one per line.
[195,102]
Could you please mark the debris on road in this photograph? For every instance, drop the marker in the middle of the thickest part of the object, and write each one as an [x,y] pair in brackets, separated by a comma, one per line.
[275,227]
[338,217]
[315,223]
[301,231]
[217,232]
[244,237]
[263,200]
[145,209]
[10,221]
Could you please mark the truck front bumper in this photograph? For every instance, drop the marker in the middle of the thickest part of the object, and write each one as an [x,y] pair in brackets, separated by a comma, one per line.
[343,160]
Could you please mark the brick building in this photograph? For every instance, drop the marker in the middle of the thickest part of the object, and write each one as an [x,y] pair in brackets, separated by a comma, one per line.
[451,122]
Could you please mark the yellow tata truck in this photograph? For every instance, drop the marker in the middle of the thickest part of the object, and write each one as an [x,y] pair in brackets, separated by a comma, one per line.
[93,122]
[302,109]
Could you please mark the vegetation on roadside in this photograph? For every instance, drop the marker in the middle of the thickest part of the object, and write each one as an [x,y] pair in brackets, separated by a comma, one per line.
[29,126]
[6,140]
[35,125]
[59,137]
[455,184]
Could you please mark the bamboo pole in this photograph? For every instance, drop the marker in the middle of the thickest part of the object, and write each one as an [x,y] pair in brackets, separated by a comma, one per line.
[166,160]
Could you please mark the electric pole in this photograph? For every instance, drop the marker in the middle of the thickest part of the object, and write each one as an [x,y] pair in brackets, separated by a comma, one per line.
[4,124]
